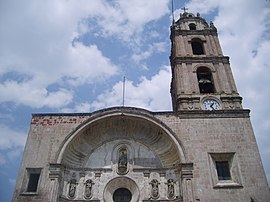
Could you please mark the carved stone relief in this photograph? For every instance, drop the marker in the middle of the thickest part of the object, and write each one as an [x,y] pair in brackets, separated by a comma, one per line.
[155,188]
[72,188]
[170,191]
[88,189]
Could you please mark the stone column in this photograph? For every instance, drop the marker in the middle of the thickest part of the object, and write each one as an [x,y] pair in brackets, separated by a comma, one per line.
[55,177]
[187,178]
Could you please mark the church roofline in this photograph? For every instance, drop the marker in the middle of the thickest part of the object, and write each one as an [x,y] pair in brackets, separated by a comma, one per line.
[110,109]
[134,110]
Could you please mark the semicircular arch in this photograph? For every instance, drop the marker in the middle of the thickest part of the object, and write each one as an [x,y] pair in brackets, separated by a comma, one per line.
[210,67]
[125,124]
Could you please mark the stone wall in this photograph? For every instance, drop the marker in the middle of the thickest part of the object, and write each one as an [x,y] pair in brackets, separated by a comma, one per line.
[199,139]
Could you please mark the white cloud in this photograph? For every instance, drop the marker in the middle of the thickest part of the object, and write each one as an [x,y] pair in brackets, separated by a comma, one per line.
[152,49]
[152,94]
[11,144]
[36,43]
[27,93]
[80,108]
[87,64]
[10,138]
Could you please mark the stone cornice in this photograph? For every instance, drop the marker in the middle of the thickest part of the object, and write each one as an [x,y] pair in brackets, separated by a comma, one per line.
[184,114]
[200,59]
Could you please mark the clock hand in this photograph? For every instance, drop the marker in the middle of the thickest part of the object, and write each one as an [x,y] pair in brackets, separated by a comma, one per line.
[212,106]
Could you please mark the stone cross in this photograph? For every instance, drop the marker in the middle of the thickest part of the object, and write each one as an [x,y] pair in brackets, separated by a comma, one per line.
[184,9]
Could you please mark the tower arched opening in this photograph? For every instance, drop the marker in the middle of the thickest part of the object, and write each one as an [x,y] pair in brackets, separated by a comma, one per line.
[192,26]
[205,80]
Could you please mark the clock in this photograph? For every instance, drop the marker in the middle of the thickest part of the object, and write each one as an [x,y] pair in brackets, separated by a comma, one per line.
[210,104]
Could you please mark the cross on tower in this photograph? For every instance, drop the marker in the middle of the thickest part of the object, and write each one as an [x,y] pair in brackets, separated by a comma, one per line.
[184,9]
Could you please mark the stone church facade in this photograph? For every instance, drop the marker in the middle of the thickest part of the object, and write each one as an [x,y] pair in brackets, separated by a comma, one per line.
[204,150]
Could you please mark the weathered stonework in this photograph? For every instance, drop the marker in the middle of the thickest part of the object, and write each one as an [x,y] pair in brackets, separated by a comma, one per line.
[153,156]
[189,142]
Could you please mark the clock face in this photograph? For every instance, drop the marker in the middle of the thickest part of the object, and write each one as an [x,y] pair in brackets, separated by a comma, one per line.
[211,104]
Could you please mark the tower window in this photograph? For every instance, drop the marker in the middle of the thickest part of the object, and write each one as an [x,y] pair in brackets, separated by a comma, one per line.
[223,170]
[197,47]
[192,26]
[206,84]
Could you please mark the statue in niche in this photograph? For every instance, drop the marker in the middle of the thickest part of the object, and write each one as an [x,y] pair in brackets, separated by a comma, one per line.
[155,190]
[88,188]
[170,184]
[72,188]
[122,161]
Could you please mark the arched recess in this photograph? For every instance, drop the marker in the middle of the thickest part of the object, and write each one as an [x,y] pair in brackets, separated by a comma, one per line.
[210,67]
[192,26]
[205,80]
[121,182]
[131,125]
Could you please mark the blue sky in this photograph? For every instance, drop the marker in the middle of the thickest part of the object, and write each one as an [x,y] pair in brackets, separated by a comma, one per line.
[71,56]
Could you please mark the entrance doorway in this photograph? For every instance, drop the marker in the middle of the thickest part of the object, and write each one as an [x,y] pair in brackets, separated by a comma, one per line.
[122,195]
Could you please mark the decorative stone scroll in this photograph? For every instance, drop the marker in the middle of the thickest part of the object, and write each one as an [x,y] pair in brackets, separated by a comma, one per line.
[88,189]
[155,189]
[72,188]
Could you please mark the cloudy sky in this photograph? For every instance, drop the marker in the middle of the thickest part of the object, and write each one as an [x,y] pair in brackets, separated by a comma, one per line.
[71,56]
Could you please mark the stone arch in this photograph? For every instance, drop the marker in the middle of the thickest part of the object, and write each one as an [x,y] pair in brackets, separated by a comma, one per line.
[192,26]
[85,139]
[211,67]
[197,37]
[121,182]
[205,80]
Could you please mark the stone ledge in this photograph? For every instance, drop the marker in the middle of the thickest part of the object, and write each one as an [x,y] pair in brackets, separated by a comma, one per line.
[227,185]
[191,114]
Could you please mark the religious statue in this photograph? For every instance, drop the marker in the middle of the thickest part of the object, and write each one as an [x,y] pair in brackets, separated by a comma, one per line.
[212,26]
[155,190]
[88,188]
[122,161]
[72,188]
[170,184]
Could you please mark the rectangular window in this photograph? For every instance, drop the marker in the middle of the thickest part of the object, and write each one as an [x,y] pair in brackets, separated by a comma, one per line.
[223,170]
[33,182]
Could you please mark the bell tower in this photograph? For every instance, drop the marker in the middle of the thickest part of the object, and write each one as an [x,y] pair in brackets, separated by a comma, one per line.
[201,75]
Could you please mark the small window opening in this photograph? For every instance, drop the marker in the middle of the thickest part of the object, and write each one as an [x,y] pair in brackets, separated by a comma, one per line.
[223,170]
[192,26]
[197,47]
[205,80]
[33,182]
